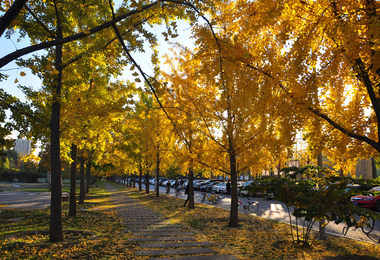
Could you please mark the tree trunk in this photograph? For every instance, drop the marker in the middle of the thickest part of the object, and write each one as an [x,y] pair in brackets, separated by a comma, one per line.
[56,231]
[82,185]
[134,179]
[140,179]
[147,185]
[88,173]
[374,171]
[191,188]
[157,175]
[73,182]
[234,221]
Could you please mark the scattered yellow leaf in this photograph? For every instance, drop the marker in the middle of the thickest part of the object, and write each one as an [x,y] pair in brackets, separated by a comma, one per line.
[135,74]
[16,80]
[22,74]
[86,31]
[137,80]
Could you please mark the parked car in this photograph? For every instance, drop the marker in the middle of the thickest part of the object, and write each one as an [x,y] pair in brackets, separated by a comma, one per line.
[210,185]
[217,188]
[162,179]
[164,183]
[152,181]
[198,185]
[172,182]
[224,188]
[371,201]
[244,192]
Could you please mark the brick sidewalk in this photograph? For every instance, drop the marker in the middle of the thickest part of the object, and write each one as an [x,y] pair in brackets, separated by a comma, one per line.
[156,236]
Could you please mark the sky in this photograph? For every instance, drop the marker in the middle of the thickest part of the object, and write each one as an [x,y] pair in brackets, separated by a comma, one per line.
[13,71]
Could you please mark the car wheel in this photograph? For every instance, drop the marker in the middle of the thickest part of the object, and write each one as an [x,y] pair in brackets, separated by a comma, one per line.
[377,206]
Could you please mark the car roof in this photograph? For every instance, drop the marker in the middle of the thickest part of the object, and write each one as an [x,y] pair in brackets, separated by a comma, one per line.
[377,188]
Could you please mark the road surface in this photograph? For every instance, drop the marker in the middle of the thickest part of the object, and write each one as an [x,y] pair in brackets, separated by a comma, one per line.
[276,210]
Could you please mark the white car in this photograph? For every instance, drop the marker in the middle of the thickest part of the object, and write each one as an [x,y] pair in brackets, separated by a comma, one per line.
[224,189]
[244,192]
[217,188]
[152,181]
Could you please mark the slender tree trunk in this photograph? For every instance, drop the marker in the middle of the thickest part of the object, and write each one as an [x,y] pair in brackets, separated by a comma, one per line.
[157,174]
[73,182]
[82,185]
[134,179]
[88,173]
[234,220]
[140,179]
[147,178]
[191,188]
[374,171]
[56,231]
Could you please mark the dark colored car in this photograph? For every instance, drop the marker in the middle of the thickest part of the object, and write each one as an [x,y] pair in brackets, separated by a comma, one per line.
[198,185]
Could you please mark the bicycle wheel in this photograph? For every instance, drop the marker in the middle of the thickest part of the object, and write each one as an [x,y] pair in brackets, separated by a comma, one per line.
[253,207]
[345,230]
[367,223]
[215,199]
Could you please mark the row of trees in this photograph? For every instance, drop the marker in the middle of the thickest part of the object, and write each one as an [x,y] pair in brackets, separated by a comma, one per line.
[260,72]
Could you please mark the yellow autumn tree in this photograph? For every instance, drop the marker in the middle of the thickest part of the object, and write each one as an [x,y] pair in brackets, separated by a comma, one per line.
[322,57]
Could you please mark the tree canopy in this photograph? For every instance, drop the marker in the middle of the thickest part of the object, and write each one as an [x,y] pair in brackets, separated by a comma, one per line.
[260,72]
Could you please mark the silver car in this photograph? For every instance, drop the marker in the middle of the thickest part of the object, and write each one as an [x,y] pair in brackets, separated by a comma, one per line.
[217,188]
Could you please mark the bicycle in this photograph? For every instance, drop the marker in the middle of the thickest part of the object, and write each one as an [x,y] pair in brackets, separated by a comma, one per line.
[213,198]
[251,205]
[178,192]
[366,223]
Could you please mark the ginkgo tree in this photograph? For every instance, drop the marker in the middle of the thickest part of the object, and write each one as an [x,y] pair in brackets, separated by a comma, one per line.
[322,56]
[50,68]
[225,100]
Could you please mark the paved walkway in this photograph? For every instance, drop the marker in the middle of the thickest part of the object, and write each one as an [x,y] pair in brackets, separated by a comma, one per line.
[156,236]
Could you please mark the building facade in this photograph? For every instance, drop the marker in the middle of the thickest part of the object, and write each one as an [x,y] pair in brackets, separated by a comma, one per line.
[23,147]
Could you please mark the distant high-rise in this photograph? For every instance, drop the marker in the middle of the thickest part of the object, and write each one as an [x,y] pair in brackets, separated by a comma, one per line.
[23,147]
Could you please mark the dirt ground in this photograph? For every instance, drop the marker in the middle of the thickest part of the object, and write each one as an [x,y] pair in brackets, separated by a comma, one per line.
[18,195]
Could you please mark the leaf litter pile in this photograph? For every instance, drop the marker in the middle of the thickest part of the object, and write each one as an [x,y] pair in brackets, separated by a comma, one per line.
[97,233]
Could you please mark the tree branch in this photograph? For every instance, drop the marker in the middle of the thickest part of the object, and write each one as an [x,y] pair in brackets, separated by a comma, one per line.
[11,14]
